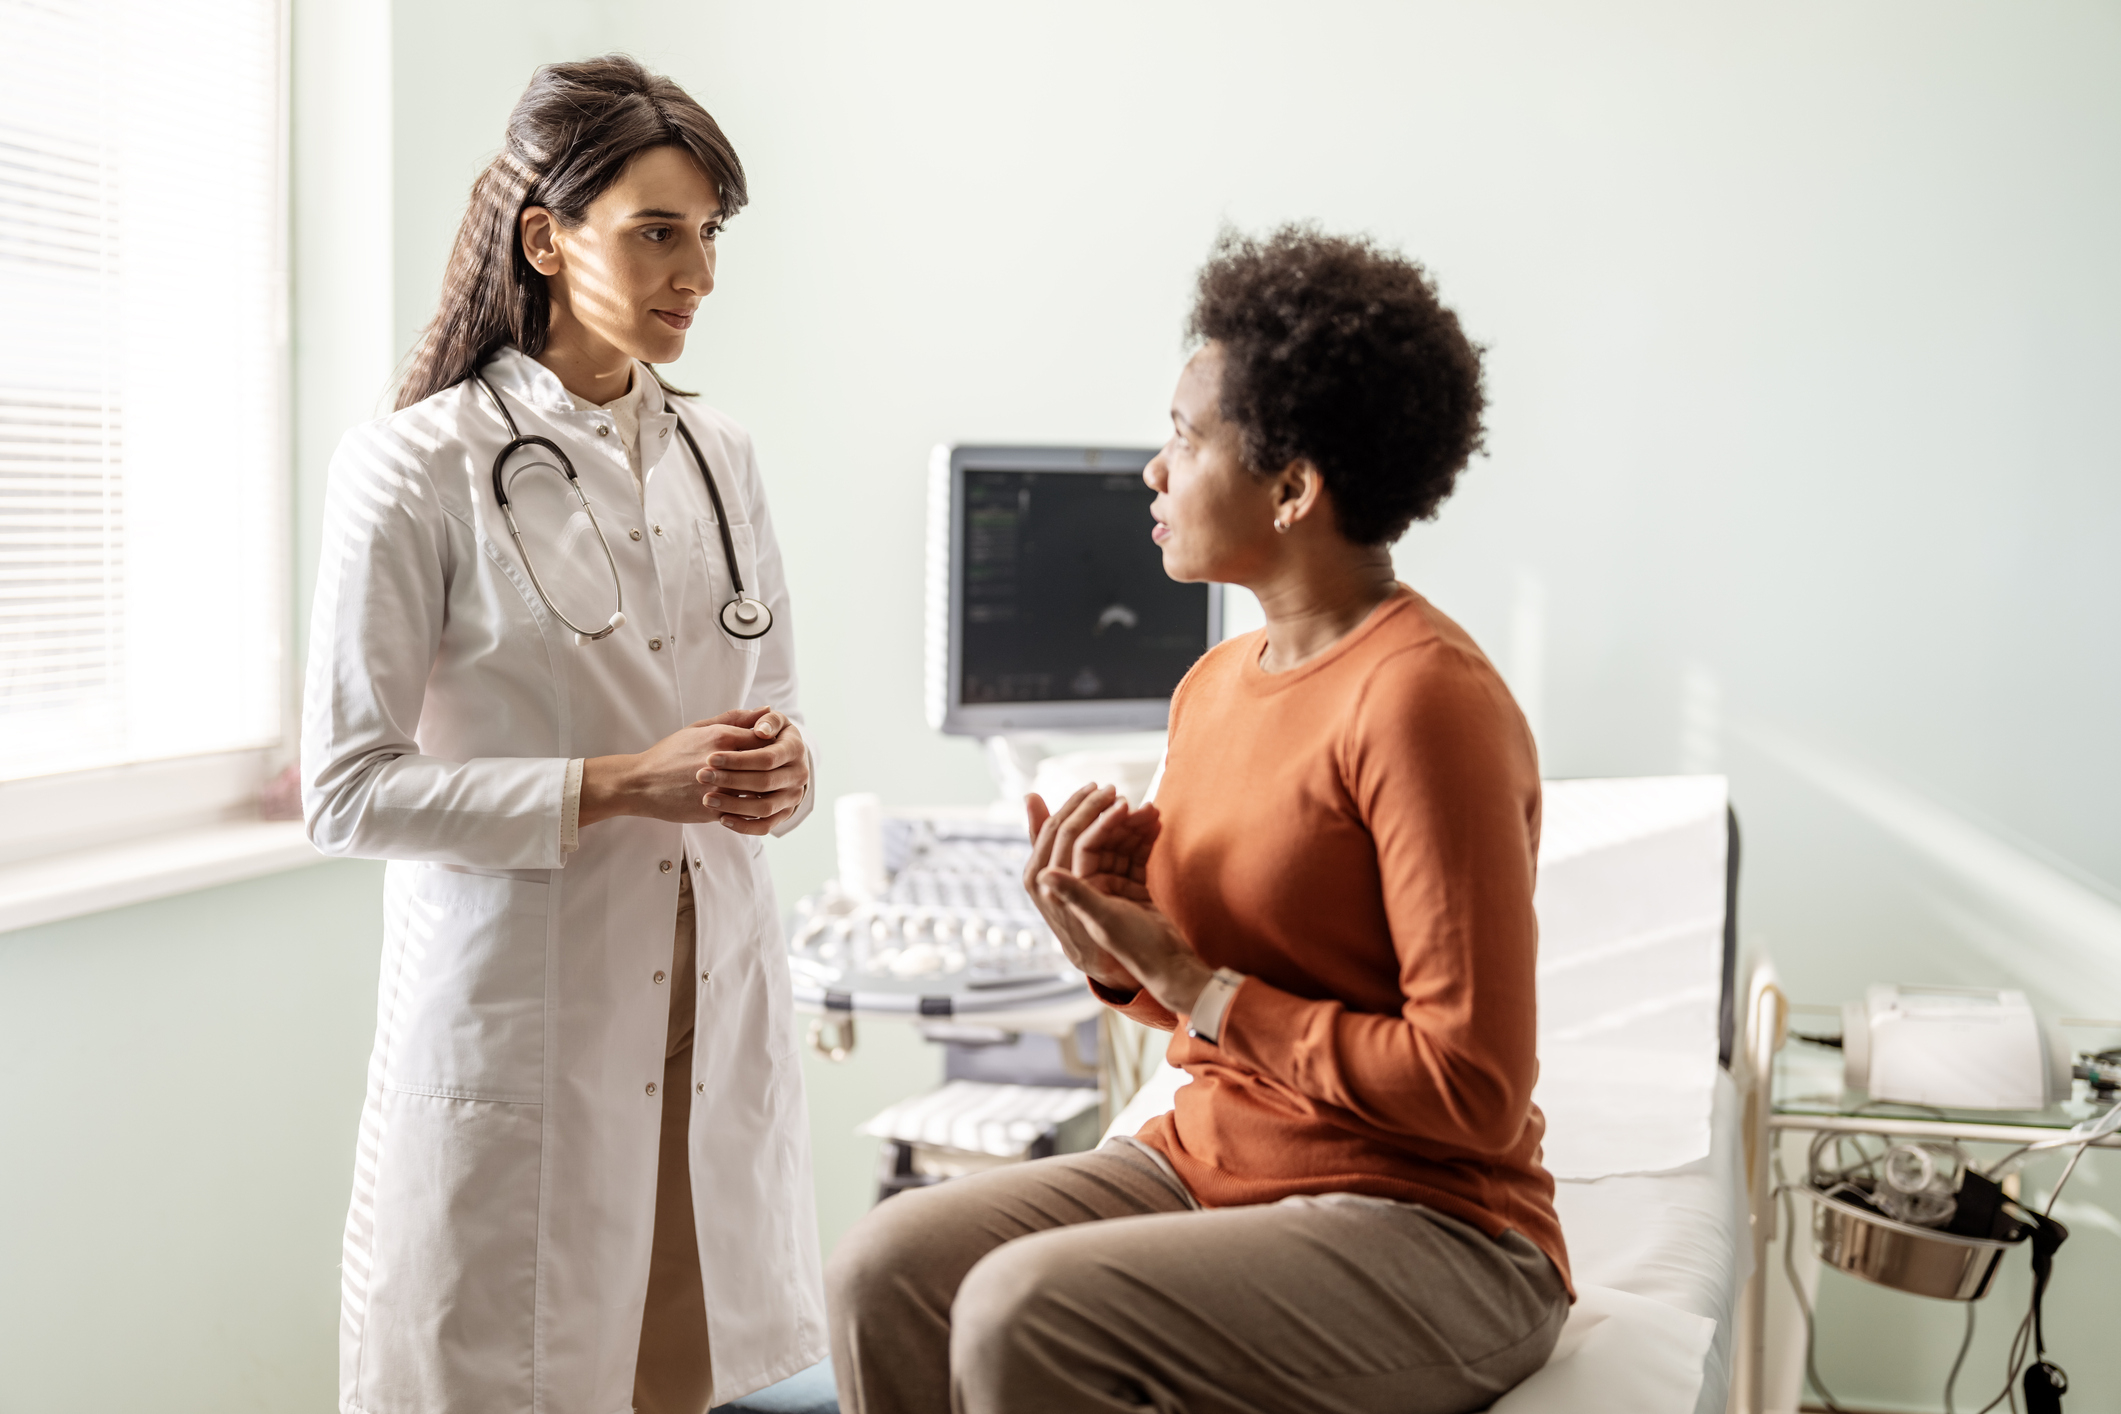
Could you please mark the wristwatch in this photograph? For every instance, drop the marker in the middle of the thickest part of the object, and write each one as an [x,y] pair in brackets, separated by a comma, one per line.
[1206,1023]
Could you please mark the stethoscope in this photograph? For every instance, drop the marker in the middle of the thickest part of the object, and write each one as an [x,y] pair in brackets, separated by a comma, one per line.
[742,617]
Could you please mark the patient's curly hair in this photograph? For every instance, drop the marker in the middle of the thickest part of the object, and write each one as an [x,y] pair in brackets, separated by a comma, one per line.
[1339,352]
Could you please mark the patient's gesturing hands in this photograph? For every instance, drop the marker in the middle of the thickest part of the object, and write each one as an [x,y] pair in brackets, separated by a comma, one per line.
[1057,838]
[1088,874]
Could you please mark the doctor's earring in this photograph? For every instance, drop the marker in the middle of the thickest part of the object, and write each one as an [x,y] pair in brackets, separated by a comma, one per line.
[1281,526]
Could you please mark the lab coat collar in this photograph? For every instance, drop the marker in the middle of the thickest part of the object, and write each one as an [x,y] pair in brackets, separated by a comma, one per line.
[519,376]
[659,421]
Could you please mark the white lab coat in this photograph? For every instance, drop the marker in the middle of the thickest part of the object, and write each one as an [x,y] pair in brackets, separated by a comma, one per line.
[504,1186]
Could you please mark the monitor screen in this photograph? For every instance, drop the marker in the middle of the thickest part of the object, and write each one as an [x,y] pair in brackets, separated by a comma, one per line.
[1061,615]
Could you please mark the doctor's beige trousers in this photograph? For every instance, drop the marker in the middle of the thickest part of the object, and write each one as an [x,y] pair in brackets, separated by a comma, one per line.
[674,1372]
[1094,1282]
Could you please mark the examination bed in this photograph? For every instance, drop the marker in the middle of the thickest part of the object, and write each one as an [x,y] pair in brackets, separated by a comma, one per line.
[1637,969]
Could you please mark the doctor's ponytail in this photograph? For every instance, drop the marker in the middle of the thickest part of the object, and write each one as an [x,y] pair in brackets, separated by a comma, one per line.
[571,134]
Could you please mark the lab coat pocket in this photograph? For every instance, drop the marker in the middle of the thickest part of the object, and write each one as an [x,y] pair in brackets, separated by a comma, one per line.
[469,1017]
[720,588]
[452,1279]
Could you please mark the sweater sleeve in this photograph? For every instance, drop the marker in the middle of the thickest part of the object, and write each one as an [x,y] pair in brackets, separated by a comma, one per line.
[1441,768]
[1137,1005]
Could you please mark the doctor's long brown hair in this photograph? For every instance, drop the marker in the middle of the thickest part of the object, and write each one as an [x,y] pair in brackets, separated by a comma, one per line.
[571,134]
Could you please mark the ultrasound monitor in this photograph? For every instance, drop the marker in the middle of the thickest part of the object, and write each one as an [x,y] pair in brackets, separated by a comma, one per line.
[1048,607]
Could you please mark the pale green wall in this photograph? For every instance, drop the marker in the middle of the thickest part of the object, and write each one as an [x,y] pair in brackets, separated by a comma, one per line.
[182,1085]
[1802,323]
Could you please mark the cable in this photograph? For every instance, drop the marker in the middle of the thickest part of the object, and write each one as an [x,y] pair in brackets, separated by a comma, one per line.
[2082,1133]
[2021,1343]
[1966,1343]
[2067,1170]
[1781,1199]
[1804,1307]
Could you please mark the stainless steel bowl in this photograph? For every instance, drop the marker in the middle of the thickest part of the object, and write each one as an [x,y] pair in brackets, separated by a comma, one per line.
[1919,1260]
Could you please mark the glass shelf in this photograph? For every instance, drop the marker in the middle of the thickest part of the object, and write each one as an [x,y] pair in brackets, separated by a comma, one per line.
[1808,1094]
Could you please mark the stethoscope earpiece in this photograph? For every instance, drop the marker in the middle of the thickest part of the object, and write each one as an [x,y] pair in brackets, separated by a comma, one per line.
[742,617]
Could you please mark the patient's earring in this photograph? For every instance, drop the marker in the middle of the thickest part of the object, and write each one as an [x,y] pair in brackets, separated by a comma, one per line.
[1281,525]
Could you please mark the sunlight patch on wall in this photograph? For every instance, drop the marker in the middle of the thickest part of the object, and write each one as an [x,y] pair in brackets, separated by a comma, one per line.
[2035,917]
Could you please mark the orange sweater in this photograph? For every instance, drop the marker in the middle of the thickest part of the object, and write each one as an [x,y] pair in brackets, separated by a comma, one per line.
[1358,836]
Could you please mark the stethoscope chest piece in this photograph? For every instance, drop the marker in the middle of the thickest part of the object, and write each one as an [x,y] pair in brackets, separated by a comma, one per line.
[743,617]
[746,617]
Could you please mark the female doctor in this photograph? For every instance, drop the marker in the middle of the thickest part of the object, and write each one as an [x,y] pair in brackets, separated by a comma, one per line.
[550,620]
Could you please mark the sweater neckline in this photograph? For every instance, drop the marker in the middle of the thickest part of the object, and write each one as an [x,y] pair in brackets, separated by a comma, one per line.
[1259,681]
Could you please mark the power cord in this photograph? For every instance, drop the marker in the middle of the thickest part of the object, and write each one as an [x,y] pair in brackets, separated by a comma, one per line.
[1781,1196]
[1966,1343]
[2025,1341]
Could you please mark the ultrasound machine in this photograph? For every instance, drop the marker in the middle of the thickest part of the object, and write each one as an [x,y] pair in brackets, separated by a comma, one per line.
[1053,634]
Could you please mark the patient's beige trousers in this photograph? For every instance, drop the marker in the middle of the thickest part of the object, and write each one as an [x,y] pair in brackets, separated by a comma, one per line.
[1093,1282]
[674,1374]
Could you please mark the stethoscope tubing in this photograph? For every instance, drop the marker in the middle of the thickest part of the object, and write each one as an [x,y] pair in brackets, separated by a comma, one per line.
[742,601]
[742,617]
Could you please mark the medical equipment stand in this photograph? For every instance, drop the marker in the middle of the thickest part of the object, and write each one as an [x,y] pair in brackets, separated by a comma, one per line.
[1768,1117]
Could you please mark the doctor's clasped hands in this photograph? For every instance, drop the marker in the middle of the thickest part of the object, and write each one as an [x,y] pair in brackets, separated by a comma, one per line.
[752,763]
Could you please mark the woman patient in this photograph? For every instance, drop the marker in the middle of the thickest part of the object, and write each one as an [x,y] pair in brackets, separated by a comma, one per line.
[1329,905]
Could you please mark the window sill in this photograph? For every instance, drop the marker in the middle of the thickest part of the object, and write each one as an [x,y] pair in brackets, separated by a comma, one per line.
[136,871]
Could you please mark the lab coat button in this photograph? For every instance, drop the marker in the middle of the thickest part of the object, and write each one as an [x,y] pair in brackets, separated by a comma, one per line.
[659,530]
[700,1089]
[659,979]
[603,429]
[704,976]
[666,866]
[651,1087]
[633,534]
[655,645]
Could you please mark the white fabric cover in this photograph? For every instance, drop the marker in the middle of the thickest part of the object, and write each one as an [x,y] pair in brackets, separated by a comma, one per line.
[1619,1354]
[1631,903]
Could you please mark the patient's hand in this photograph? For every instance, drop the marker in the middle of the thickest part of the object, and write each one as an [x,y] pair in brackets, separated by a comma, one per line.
[1095,836]
[1111,854]
[1137,936]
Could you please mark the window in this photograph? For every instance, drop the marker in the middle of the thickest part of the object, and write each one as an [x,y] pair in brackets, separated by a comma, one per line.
[143,539]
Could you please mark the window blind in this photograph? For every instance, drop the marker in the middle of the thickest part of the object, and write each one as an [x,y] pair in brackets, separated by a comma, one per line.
[142,386]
